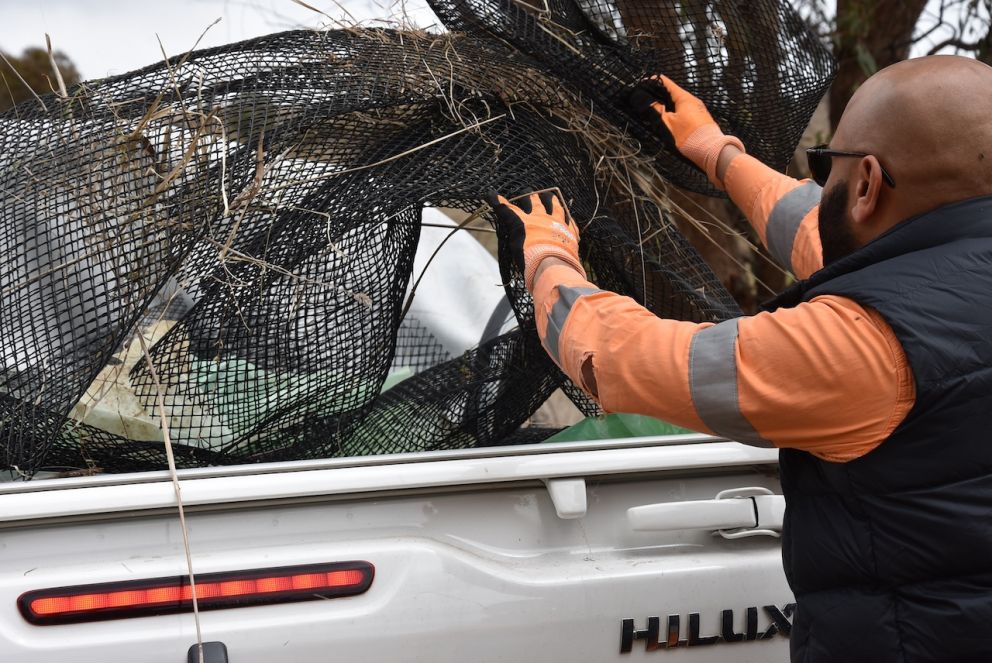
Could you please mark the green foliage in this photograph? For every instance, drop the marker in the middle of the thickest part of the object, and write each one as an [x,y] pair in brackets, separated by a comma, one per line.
[35,69]
[865,59]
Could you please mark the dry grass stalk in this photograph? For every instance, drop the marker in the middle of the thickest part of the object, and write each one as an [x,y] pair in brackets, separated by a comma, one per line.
[55,68]
[177,489]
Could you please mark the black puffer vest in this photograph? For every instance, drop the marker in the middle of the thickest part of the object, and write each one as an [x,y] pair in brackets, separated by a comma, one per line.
[890,555]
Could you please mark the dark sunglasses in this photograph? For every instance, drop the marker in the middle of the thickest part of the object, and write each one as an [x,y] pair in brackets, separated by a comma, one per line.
[820,159]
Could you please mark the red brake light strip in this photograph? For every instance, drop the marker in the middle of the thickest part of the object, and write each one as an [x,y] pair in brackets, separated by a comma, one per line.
[158,596]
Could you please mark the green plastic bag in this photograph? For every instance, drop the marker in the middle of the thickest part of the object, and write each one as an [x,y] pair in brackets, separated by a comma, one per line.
[612,426]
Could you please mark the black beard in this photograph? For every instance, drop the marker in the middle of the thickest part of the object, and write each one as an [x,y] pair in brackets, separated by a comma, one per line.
[836,237]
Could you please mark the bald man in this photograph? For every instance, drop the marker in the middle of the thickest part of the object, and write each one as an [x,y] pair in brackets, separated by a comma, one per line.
[872,374]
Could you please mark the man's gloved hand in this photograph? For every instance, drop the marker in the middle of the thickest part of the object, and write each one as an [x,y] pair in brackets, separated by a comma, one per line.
[537,227]
[682,120]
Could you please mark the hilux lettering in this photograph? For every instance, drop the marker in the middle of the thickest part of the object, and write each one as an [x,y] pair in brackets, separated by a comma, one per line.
[778,621]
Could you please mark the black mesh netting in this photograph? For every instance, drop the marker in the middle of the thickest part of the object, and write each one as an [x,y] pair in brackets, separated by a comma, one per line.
[254,211]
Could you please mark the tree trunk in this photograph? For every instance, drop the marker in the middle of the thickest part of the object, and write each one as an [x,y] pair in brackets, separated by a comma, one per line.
[871,35]
[984,52]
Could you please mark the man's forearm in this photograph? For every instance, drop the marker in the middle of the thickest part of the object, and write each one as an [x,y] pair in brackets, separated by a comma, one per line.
[783,211]
[739,378]
[614,348]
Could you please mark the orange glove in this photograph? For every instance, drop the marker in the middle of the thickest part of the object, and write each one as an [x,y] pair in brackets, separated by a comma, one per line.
[683,121]
[540,227]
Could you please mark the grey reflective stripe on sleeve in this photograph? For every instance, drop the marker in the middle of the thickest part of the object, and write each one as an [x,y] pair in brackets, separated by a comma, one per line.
[713,383]
[559,314]
[785,219]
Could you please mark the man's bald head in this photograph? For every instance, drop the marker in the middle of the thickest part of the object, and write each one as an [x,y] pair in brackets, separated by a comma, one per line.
[928,121]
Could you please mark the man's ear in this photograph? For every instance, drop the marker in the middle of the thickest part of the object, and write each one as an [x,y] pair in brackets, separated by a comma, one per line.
[867,188]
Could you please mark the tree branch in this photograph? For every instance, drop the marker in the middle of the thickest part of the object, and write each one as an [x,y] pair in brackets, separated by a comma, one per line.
[957,43]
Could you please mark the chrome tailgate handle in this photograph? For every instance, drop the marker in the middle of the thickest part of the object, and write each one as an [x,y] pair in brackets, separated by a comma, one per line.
[734,514]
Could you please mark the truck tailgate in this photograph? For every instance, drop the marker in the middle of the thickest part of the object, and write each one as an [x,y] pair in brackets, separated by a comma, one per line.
[471,558]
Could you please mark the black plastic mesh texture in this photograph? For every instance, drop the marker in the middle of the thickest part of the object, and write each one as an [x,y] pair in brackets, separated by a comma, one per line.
[254,210]
[754,63]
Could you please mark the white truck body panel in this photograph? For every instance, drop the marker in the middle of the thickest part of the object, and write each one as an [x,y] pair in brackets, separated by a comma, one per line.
[472,559]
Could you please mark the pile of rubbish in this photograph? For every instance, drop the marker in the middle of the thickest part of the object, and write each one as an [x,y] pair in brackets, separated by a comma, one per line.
[265,251]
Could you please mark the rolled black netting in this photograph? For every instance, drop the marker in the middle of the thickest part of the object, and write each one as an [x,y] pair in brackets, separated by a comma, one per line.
[252,213]
[755,63]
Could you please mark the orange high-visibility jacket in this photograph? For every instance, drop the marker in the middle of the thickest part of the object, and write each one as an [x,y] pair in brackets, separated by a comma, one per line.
[827,376]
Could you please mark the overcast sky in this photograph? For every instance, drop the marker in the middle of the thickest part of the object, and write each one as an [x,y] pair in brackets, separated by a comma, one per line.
[114,36]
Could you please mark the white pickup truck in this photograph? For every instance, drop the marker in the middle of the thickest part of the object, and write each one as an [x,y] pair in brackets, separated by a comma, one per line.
[619,550]
[596,551]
